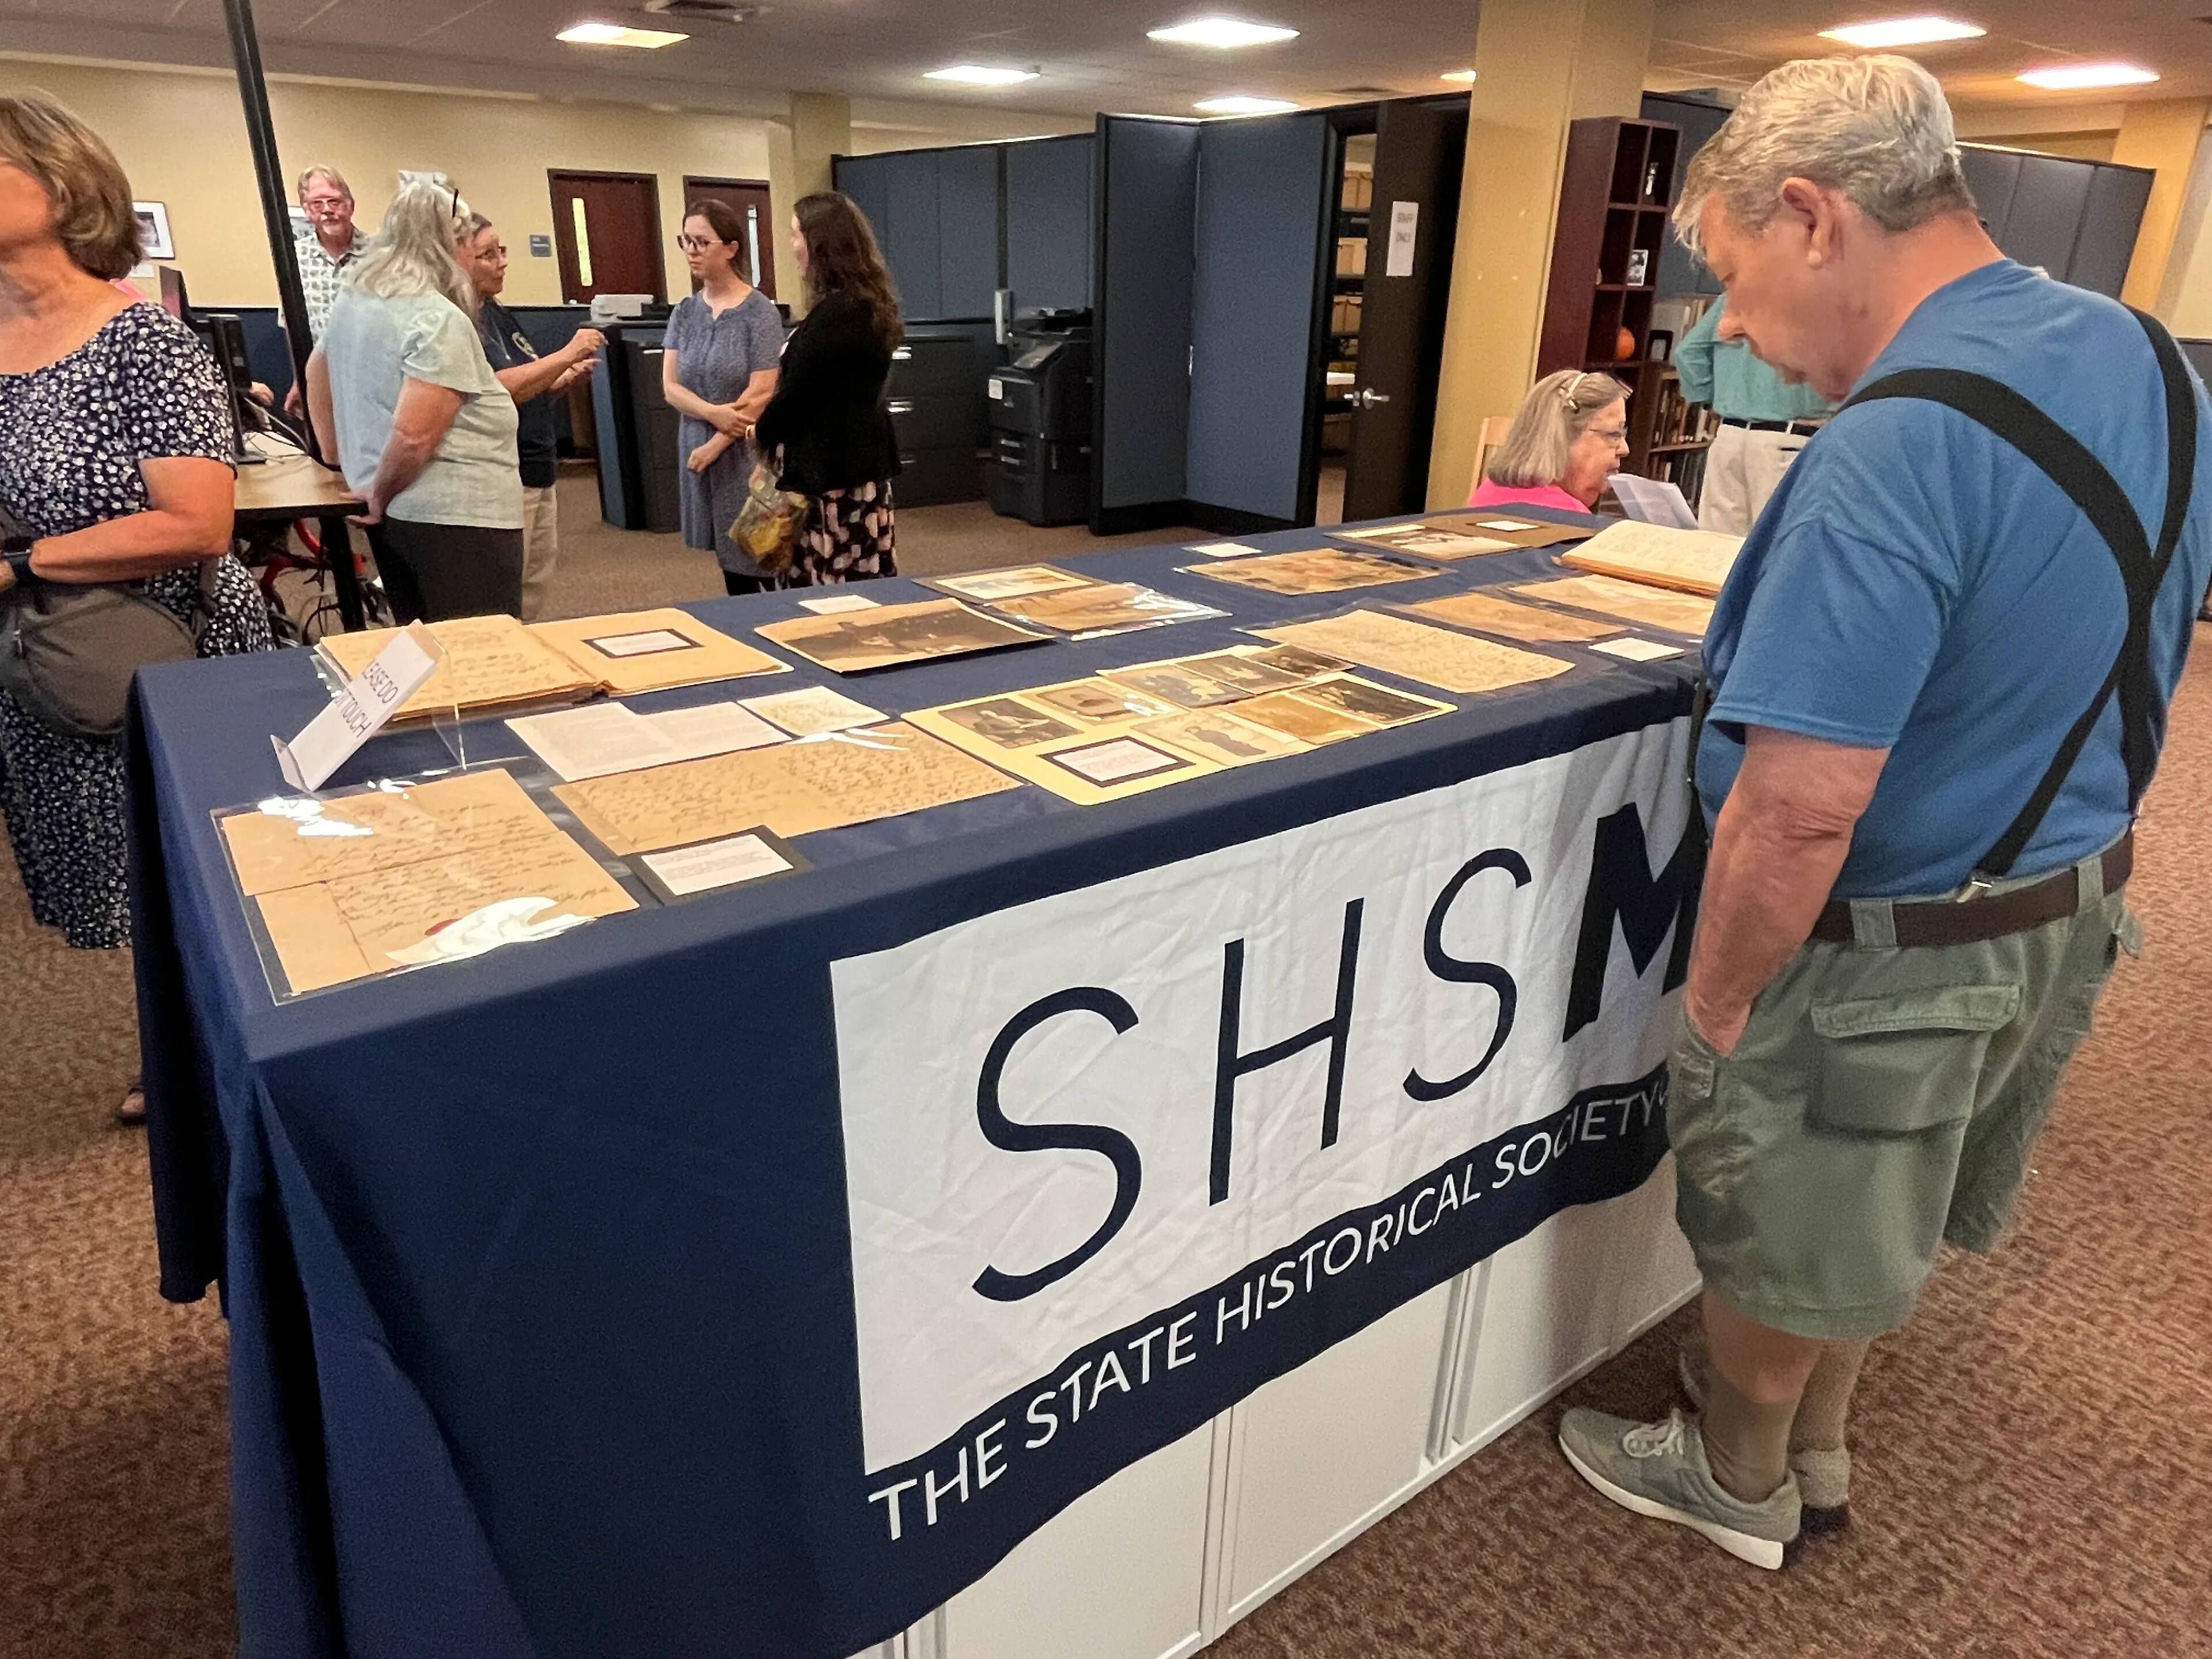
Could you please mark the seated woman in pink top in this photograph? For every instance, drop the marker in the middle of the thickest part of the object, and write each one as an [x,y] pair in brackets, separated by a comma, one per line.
[1566,441]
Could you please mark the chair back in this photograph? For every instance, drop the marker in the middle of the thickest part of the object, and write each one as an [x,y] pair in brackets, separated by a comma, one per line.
[1494,430]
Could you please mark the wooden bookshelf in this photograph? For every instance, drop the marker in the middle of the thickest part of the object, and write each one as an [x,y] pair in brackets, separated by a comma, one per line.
[1614,197]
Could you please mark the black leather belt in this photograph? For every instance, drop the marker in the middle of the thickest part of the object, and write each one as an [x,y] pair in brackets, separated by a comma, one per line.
[1807,428]
[1970,921]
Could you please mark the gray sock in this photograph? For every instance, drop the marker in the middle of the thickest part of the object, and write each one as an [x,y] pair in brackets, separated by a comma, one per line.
[1746,1443]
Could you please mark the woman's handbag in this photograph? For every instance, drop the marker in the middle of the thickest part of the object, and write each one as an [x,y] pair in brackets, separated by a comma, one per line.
[768,526]
[67,650]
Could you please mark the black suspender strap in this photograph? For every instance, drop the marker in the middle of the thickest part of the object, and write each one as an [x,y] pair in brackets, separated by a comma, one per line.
[2091,487]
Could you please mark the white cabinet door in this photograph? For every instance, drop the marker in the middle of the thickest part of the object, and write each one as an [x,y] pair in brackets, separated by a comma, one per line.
[1315,1455]
[1546,1309]
[1119,1574]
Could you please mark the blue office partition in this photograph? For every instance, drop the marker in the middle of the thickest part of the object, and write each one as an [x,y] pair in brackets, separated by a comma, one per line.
[1259,226]
[1048,229]
[1148,183]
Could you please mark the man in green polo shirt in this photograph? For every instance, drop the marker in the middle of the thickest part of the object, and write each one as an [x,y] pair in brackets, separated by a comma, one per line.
[1764,421]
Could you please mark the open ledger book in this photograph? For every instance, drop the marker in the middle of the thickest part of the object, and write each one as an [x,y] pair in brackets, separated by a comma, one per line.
[1687,560]
[495,663]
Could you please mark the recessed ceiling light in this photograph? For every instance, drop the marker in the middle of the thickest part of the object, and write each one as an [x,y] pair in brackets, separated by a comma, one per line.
[1223,32]
[1463,76]
[1904,32]
[1240,104]
[2072,77]
[614,34]
[980,74]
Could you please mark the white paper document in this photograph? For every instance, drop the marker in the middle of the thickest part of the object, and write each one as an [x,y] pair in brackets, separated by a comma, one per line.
[687,870]
[1637,650]
[836,602]
[711,728]
[359,709]
[1653,501]
[602,737]
[1223,550]
[815,710]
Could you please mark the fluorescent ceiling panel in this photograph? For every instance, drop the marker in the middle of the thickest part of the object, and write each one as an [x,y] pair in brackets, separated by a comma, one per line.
[1904,32]
[614,34]
[1223,32]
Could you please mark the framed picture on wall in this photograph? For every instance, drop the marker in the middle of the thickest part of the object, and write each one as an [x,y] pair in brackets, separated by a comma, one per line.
[154,241]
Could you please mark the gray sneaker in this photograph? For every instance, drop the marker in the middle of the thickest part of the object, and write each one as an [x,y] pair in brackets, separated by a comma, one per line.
[1824,1478]
[1659,1469]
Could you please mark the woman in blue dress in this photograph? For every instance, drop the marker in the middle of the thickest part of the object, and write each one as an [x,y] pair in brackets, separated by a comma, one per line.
[718,371]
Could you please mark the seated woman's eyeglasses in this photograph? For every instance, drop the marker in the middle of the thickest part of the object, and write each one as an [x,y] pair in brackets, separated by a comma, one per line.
[1615,435]
[699,244]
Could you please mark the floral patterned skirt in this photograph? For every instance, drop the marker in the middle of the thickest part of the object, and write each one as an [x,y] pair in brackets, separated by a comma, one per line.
[850,536]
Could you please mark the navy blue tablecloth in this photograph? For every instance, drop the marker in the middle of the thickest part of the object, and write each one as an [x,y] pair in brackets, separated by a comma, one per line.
[538,1265]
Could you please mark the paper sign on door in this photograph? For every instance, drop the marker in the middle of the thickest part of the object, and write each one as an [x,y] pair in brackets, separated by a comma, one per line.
[1405,225]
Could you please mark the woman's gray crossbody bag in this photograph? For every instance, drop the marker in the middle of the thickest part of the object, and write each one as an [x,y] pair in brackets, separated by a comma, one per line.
[67,650]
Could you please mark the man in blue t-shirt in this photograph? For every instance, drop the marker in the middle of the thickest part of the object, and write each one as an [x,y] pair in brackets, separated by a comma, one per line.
[1939,674]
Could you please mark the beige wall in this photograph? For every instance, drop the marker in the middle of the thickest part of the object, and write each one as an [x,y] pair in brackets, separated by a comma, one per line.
[180,137]
[2082,146]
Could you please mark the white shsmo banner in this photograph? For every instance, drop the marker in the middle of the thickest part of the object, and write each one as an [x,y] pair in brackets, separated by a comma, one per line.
[1065,1116]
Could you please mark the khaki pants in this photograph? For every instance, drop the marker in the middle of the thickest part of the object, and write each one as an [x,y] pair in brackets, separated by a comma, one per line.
[541,546]
[1742,469]
[1881,1102]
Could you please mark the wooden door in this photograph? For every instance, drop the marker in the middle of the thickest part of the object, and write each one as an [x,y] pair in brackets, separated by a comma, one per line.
[1419,151]
[748,198]
[606,229]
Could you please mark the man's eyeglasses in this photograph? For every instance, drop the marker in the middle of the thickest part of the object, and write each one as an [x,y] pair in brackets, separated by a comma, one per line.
[325,204]
[700,244]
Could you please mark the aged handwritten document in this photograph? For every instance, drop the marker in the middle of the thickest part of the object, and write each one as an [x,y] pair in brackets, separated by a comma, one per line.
[1691,561]
[793,789]
[652,650]
[1653,607]
[1434,656]
[366,883]
[813,708]
[491,662]
[1493,615]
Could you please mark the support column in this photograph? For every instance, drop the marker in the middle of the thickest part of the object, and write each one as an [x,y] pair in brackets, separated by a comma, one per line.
[821,126]
[2165,135]
[1539,65]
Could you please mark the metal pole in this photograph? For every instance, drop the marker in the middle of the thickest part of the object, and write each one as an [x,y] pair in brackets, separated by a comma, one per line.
[275,202]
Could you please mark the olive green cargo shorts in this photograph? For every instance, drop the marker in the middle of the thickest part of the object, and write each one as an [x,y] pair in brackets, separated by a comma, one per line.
[1880,1102]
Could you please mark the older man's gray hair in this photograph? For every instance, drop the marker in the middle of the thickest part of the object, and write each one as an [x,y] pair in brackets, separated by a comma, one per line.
[1877,128]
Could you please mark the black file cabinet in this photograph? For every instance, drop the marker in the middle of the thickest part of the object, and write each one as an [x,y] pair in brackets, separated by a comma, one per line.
[935,394]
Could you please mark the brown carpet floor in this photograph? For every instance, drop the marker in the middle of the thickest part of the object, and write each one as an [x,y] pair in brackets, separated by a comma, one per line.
[2034,1464]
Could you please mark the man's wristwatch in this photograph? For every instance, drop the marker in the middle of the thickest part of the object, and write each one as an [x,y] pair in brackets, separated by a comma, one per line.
[15,554]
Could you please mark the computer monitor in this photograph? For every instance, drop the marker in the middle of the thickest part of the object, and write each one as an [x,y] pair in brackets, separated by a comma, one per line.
[224,336]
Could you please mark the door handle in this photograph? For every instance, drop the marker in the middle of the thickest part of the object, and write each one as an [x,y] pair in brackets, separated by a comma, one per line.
[901,406]
[1367,397]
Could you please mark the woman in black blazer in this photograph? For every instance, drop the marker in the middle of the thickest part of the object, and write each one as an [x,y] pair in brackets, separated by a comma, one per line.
[828,418]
